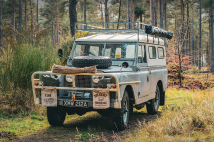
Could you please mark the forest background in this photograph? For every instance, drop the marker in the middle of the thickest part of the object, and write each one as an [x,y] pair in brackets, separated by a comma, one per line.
[31,33]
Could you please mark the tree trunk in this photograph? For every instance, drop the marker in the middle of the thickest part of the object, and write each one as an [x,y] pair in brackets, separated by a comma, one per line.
[37,23]
[106,13]
[13,18]
[199,62]
[20,19]
[187,36]
[25,21]
[32,27]
[119,14]
[151,13]
[160,13]
[165,20]
[179,71]
[207,55]
[52,34]
[102,14]
[155,13]
[84,11]
[176,41]
[72,15]
[211,38]
[57,23]
[141,21]
[192,47]
[0,24]
[133,14]
[128,13]
[182,31]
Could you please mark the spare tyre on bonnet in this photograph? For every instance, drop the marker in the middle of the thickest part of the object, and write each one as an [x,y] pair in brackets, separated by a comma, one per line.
[102,62]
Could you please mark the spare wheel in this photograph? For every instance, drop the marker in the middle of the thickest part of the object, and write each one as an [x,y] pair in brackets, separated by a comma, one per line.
[102,62]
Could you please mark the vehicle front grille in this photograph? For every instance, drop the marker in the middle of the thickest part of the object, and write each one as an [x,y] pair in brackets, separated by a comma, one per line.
[83,81]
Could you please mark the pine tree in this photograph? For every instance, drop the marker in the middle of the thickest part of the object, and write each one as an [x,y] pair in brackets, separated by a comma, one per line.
[72,15]
[138,13]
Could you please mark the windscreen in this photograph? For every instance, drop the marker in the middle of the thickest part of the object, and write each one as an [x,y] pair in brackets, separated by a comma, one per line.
[120,51]
[88,50]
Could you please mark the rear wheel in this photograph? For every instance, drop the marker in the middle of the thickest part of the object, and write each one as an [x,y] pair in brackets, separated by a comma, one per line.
[153,105]
[122,115]
[56,116]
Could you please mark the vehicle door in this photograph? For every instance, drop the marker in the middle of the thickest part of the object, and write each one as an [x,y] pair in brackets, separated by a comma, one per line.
[143,71]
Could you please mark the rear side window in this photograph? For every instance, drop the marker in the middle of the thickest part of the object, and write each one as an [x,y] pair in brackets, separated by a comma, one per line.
[152,52]
[160,52]
[142,54]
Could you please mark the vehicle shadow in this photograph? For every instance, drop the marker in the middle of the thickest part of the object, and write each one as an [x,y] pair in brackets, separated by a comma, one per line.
[86,127]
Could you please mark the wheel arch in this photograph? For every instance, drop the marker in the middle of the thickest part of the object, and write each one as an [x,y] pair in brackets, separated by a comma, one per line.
[162,93]
[130,91]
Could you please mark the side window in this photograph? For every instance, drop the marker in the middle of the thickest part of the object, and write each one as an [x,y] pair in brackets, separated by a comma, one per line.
[160,53]
[142,54]
[152,52]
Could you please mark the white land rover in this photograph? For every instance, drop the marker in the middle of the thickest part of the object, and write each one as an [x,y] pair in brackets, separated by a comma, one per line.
[131,71]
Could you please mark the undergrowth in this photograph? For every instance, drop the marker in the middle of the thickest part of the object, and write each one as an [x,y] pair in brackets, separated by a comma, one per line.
[191,120]
[17,63]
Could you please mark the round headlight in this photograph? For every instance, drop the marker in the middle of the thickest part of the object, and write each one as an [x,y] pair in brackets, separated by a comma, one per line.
[68,78]
[95,78]
[46,75]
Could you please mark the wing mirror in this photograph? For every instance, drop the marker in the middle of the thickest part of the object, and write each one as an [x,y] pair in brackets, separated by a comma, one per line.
[60,52]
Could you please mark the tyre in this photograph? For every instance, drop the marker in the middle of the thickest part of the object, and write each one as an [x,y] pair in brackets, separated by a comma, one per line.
[56,116]
[102,62]
[122,115]
[153,105]
[104,113]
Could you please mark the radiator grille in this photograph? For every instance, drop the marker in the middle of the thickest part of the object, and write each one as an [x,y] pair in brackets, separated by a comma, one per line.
[83,81]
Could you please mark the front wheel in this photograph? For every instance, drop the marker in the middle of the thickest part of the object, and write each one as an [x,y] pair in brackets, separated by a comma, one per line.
[56,116]
[122,115]
[153,105]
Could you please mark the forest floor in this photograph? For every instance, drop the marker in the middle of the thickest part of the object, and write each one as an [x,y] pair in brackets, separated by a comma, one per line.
[187,116]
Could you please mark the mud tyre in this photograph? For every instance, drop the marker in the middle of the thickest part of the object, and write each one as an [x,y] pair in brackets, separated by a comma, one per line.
[122,115]
[56,116]
[102,62]
[153,105]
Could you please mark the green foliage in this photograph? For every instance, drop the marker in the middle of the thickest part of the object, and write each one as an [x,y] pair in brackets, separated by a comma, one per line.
[139,11]
[18,65]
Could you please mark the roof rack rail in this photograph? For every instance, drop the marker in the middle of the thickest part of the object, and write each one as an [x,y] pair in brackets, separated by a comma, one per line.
[124,28]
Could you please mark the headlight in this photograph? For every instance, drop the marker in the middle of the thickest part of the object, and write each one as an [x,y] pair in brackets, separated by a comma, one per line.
[51,76]
[95,78]
[69,78]
[46,75]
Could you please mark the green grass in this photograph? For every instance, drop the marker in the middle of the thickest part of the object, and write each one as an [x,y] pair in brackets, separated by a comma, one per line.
[187,116]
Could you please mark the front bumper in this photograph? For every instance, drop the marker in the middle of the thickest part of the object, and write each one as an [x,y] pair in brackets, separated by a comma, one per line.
[74,88]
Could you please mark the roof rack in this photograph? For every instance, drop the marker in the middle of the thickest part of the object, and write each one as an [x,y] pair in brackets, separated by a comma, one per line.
[124,28]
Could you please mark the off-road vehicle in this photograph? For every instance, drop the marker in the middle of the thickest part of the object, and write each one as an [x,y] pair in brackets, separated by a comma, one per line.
[131,72]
